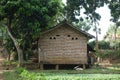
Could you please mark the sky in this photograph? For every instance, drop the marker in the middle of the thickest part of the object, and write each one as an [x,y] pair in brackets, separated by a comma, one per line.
[104,22]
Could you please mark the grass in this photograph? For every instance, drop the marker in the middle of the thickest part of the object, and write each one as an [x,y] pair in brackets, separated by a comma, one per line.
[82,77]
[109,70]
[59,76]
[10,76]
[88,74]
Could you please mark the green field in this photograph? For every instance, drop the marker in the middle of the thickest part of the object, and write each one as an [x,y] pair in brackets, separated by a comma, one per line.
[52,76]
[81,77]
[90,74]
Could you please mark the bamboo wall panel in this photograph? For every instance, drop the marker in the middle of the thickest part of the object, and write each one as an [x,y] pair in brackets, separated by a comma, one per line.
[63,45]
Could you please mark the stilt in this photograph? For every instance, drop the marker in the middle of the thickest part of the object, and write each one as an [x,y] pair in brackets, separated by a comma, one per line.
[41,67]
[57,67]
[84,66]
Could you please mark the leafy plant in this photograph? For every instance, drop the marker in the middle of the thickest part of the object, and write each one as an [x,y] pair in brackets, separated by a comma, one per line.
[32,76]
[19,70]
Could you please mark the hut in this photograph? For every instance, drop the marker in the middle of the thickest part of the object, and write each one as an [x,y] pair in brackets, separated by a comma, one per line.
[63,44]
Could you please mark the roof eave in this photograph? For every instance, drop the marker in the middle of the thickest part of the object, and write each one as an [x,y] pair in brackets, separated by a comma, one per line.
[85,33]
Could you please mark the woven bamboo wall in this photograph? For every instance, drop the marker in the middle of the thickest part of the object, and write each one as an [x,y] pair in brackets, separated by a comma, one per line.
[63,45]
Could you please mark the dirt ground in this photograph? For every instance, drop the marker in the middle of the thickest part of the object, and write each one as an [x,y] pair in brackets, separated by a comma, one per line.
[1,77]
[1,69]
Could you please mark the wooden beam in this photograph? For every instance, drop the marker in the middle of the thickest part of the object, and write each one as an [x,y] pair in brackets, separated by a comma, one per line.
[84,66]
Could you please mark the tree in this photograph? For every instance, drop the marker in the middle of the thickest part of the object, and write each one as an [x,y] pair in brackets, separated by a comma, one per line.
[114,6]
[101,44]
[113,36]
[25,19]
[95,17]
[104,44]
[9,45]
[92,44]
[75,8]
[73,12]
[84,25]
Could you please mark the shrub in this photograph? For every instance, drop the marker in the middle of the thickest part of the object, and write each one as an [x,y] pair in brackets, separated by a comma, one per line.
[19,70]
[108,54]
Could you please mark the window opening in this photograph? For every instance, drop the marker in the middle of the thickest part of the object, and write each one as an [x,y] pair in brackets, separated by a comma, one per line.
[54,38]
[68,35]
[50,37]
[72,38]
[76,38]
[57,35]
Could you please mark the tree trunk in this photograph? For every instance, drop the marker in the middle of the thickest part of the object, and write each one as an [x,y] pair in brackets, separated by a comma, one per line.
[19,50]
[20,56]
[96,37]
[96,46]
[115,38]
[96,41]
[40,58]
[8,55]
[39,50]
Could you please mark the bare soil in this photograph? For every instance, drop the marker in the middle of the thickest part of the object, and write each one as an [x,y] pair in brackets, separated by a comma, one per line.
[1,77]
[1,69]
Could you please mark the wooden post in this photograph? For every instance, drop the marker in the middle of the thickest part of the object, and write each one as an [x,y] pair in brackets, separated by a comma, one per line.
[84,66]
[57,67]
[40,58]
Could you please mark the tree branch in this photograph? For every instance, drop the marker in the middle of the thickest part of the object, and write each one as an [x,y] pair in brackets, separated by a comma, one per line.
[11,36]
